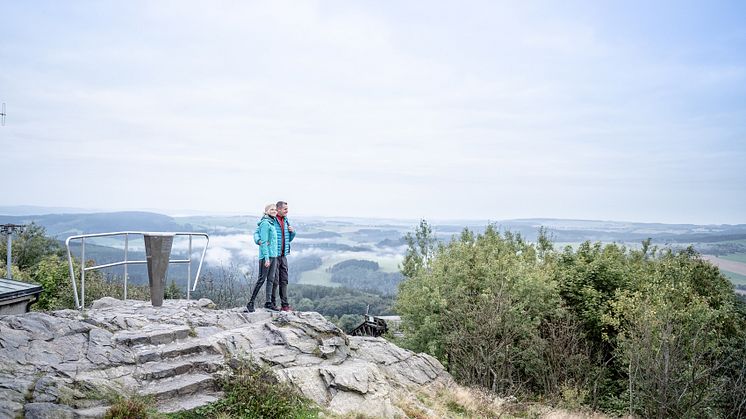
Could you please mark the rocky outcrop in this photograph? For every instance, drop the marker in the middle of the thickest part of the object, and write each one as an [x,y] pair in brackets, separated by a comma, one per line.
[68,364]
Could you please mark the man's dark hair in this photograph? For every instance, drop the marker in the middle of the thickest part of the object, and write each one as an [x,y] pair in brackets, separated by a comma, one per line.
[280,204]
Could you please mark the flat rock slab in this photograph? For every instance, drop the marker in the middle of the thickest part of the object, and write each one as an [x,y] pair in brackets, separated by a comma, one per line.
[70,364]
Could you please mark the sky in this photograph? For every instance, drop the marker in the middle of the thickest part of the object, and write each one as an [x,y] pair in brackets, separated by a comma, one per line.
[612,110]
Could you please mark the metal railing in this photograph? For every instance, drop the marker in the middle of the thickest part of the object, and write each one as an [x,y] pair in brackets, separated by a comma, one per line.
[80,304]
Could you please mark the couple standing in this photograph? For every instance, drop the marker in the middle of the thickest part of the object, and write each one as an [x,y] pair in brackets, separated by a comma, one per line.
[273,235]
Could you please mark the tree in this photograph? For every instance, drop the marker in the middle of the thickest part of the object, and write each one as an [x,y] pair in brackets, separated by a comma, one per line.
[421,247]
[30,246]
[172,292]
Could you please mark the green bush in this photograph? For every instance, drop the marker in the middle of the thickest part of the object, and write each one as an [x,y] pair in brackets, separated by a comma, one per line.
[644,332]
[253,391]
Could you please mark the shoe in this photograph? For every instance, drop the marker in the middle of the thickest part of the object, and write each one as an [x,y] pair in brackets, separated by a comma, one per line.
[250,307]
[286,308]
[271,307]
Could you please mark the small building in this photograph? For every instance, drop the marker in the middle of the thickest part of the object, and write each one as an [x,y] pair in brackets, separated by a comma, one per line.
[16,297]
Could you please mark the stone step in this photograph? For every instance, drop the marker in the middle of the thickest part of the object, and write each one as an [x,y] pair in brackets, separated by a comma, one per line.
[181,385]
[152,336]
[92,412]
[176,366]
[188,402]
[175,349]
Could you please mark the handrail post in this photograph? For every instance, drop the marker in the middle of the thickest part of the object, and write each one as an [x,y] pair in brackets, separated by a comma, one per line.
[189,269]
[82,272]
[126,244]
[202,258]
[72,274]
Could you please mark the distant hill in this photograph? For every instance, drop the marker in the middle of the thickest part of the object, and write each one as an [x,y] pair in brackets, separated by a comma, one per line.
[63,225]
[37,210]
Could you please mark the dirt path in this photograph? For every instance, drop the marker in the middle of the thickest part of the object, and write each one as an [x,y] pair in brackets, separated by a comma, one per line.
[727,265]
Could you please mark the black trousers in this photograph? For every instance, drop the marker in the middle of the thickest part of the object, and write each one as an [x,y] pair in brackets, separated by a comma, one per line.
[281,281]
[266,274]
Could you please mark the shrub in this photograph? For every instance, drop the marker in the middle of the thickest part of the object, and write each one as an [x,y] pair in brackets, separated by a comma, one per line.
[253,391]
[645,332]
[130,408]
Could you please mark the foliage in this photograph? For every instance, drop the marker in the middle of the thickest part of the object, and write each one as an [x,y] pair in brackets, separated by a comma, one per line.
[347,322]
[228,287]
[421,247]
[29,247]
[253,391]
[646,332]
[300,265]
[338,301]
[130,408]
[53,275]
[40,260]
[173,292]
[365,275]
[354,263]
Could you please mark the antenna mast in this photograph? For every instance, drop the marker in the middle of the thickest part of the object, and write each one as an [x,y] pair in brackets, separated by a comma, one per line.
[9,229]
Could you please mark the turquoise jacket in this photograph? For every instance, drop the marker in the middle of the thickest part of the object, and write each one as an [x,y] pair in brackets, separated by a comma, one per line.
[268,236]
[289,236]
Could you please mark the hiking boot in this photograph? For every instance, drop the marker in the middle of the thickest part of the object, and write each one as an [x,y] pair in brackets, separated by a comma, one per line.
[286,308]
[250,307]
[271,307]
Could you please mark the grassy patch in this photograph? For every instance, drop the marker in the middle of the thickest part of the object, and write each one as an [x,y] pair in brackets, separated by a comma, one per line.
[253,391]
[131,408]
[454,402]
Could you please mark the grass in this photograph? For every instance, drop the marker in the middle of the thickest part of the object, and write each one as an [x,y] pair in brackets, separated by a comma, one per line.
[132,408]
[253,391]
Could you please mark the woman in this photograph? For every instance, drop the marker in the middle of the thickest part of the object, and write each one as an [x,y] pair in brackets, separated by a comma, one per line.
[267,257]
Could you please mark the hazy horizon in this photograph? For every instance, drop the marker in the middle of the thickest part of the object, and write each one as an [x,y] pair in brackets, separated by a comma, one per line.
[28,210]
[442,110]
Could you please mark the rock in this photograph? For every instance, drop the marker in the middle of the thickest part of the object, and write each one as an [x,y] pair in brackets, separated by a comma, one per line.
[106,302]
[54,363]
[94,412]
[48,411]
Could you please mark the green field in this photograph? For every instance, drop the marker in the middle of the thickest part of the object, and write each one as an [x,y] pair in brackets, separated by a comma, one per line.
[320,276]
[735,278]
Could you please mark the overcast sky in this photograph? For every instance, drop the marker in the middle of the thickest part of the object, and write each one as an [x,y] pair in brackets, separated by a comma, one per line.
[492,110]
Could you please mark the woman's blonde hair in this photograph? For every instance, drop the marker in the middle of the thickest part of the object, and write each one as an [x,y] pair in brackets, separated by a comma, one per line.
[269,207]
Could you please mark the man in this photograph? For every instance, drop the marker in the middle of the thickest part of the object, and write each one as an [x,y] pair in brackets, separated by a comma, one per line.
[285,234]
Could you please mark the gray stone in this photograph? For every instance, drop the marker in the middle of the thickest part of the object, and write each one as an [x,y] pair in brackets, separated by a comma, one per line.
[175,352]
[188,402]
[36,329]
[106,302]
[10,409]
[48,411]
[47,389]
[94,412]
[181,385]
[100,337]
[11,338]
